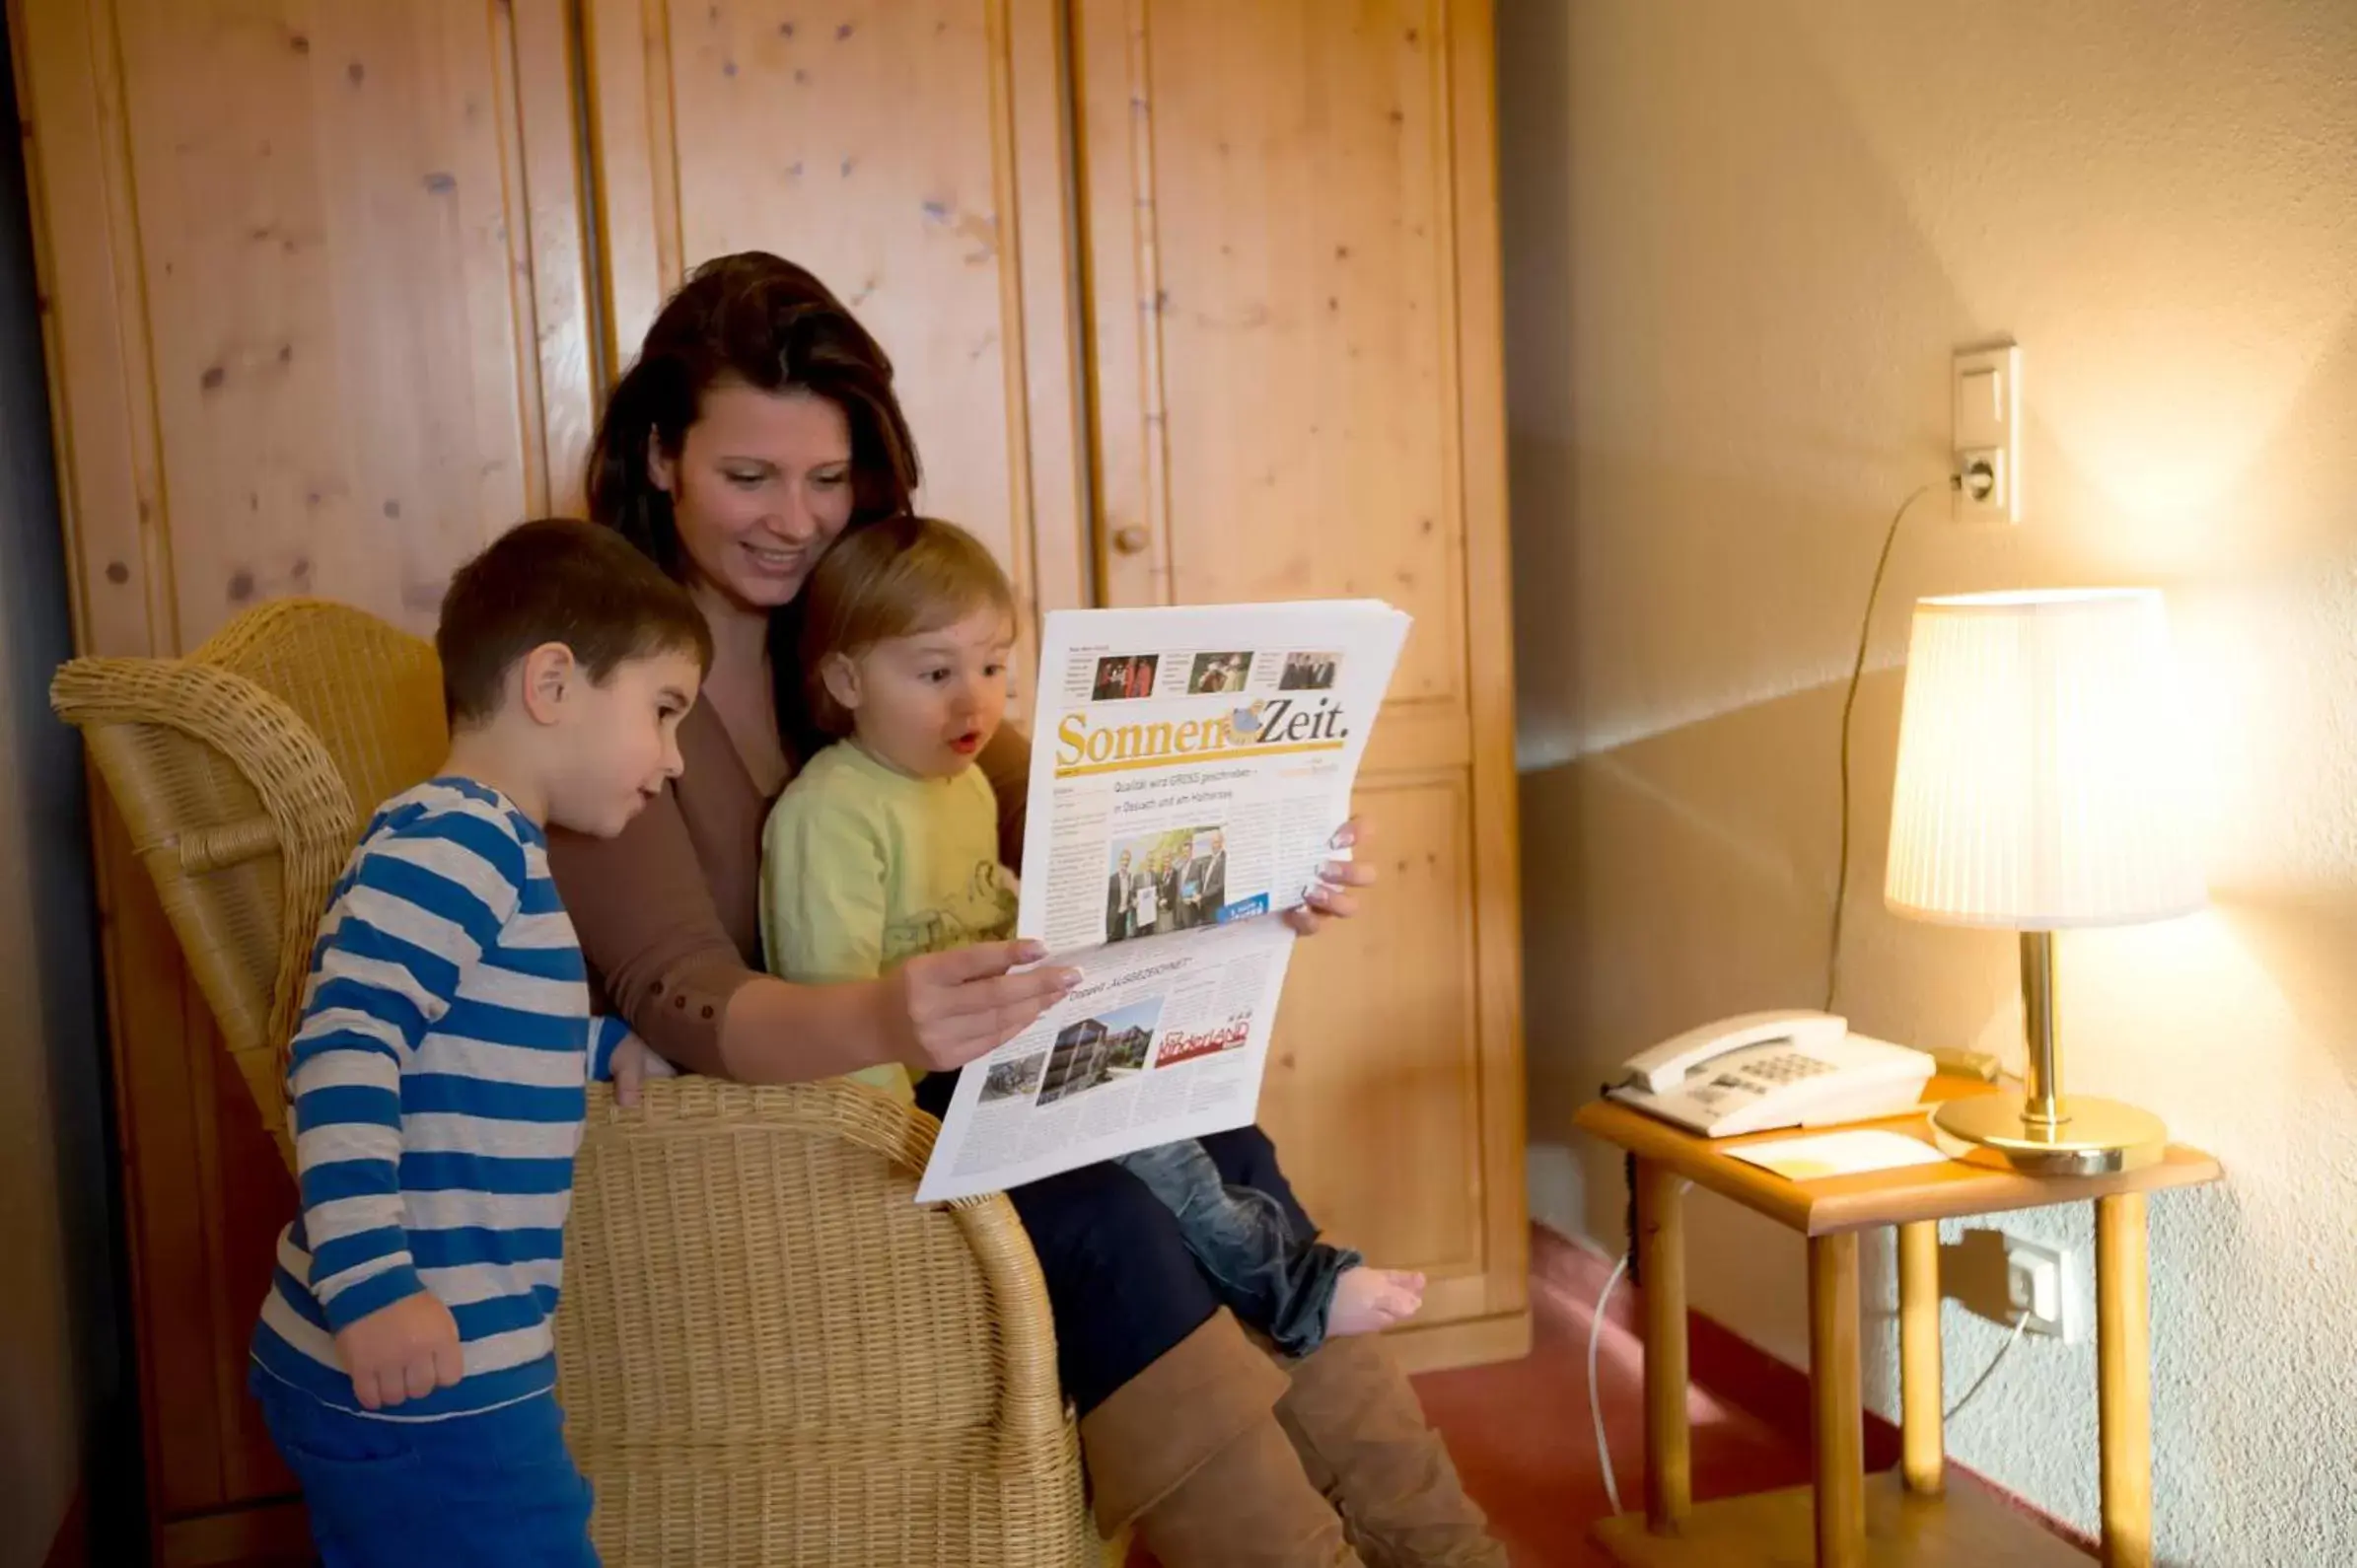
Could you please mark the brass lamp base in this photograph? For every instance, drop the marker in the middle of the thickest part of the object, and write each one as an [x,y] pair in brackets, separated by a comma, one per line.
[2096,1137]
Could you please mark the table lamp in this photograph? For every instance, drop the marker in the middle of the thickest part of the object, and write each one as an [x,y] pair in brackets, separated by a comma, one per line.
[2042,787]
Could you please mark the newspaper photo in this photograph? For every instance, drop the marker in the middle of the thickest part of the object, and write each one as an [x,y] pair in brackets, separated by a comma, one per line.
[1189,768]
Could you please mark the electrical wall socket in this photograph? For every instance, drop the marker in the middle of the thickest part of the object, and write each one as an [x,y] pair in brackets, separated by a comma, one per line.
[2041,1283]
[1987,444]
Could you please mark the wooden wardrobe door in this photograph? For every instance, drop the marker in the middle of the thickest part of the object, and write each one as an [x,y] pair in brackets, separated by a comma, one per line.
[1291,242]
[912,154]
[315,311]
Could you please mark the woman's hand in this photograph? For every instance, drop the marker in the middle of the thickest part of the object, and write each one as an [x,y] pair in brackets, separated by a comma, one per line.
[1332,898]
[945,1009]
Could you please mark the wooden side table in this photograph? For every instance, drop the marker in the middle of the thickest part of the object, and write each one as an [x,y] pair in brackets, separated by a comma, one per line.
[1845,1521]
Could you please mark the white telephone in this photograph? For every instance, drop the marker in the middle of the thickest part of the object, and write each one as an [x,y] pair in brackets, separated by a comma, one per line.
[1765,1070]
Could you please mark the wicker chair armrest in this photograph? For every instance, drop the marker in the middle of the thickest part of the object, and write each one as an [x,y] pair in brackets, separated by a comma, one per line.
[869,1119]
[307,815]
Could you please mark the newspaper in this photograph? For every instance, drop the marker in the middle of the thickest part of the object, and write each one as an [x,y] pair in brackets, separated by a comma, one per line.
[1189,768]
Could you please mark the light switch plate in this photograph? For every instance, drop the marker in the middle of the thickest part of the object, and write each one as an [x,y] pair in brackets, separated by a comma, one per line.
[1987,389]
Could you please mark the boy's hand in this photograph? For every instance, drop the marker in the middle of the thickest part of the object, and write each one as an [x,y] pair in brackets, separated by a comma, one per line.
[635,1062]
[404,1351]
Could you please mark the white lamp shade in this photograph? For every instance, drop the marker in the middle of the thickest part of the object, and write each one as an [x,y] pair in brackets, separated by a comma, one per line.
[2042,777]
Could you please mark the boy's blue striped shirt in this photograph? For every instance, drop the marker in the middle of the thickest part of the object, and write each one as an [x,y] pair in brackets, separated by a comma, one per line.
[437,1089]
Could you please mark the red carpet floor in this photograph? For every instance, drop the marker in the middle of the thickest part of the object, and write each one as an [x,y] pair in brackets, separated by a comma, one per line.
[1525,1442]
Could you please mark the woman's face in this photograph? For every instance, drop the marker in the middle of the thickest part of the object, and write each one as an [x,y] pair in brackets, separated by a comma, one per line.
[760,486]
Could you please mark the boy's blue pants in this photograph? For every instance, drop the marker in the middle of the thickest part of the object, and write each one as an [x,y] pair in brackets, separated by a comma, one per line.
[495,1489]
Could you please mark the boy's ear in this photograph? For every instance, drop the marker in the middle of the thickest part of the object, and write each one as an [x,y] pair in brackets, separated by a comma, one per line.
[842,678]
[546,675]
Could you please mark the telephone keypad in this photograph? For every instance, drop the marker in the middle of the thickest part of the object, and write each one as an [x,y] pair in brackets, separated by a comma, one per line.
[1749,1075]
[1786,1068]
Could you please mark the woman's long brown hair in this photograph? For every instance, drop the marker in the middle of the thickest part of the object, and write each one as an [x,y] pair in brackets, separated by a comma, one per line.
[760,321]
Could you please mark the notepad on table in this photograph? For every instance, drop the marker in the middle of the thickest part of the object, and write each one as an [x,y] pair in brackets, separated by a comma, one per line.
[1832,1154]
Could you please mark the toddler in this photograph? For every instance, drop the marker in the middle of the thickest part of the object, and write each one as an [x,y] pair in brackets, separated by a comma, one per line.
[885,846]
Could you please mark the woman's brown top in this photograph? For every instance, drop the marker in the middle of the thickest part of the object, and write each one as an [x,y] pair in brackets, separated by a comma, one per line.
[668,912]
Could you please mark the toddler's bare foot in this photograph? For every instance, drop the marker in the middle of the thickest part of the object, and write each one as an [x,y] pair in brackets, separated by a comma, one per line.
[1370,1299]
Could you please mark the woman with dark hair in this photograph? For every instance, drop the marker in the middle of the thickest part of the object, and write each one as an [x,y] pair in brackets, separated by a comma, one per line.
[757,424]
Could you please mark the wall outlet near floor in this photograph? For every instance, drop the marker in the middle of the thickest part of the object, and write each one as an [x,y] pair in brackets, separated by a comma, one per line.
[2041,1283]
[2002,1276]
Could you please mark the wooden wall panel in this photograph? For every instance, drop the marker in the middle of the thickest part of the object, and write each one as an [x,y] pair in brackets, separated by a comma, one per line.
[1299,304]
[1189,302]
[1376,1088]
[1292,321]
[317,308]
[345,370]
[911,155]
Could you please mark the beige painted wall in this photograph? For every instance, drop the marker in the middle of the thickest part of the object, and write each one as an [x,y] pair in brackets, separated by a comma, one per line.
[1742,238]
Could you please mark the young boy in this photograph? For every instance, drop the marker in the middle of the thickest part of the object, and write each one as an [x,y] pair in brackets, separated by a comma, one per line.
[885,846]
[405,1360]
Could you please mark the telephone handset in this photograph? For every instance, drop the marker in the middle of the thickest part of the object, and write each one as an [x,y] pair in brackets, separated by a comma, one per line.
[1765,1070]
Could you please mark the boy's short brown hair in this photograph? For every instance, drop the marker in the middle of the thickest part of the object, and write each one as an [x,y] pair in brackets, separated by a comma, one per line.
[898,577]
[557,580]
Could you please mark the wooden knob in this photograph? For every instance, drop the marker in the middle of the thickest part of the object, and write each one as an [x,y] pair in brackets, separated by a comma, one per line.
[1131,541]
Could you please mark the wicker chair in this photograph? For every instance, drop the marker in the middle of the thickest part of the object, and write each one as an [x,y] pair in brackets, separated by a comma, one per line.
[767,1352]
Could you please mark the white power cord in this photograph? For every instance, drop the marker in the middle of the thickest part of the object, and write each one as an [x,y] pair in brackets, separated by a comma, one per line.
[2020,1322]
[1595,1328]
[1596,1401]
